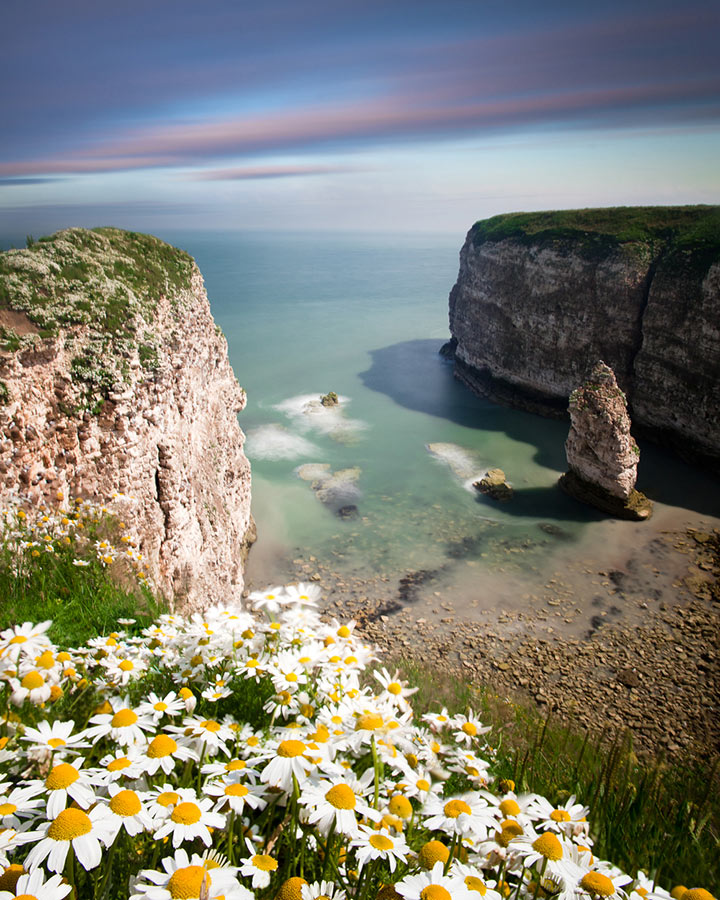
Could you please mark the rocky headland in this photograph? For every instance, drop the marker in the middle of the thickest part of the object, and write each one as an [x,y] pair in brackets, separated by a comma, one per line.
[114,377]
[541,296]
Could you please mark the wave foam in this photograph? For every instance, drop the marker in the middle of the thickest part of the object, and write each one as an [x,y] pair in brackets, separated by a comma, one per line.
[275,442]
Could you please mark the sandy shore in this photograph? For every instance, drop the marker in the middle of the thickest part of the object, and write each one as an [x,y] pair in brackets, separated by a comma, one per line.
[621,632]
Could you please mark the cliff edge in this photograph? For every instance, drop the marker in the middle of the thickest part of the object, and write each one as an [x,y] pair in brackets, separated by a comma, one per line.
[114,377]
[541,296]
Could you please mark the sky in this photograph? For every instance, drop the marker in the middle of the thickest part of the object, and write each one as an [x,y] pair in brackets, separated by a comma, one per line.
[324,115]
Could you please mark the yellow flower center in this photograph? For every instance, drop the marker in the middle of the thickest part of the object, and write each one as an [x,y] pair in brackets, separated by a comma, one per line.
[291,676]
[125,803]
[455,808]
[469,728]
[18,639]
[55,743]
[161,745]
[597,883]
[560,815]
[549,846]
[509,807]
[186,813]
[395,688]
[264,862]
[473,883]
[9,878]
[32,681]
[431,852]
[343,631]
[369,722]
[289,749]
[236,790]
[124,718]
[211,726]
[399,805]
[70,824]
[341,796]
[45,661]
[7,809]
[117,764]
[167,798]
[185,693]
[698,894]
[422,784]
[291,889]
[435,892]
[186,883]
[61,777]
[160,706]
[126,665]
[381,842]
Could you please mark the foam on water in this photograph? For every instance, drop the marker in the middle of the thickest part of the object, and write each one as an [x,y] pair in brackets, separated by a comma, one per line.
[463,463]
[307,413]
[275,442]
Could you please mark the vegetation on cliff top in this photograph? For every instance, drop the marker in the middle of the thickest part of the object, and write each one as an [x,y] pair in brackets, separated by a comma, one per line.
[106,281]
[600,231]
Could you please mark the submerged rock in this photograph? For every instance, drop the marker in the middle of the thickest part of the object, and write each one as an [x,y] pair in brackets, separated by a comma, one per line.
[494,484]
[601,453]
[330,399]
[336,490]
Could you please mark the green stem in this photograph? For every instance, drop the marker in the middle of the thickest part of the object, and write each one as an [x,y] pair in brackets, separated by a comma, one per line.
[328,849]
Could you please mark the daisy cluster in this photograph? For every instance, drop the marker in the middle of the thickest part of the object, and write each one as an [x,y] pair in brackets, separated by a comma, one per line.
[261,753]
[31,532]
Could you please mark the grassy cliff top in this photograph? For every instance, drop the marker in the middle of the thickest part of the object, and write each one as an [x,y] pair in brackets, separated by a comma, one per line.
[108,281]
[103,277]
[602,230]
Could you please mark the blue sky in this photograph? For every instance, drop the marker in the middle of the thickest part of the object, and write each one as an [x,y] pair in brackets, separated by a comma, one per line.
[377,115]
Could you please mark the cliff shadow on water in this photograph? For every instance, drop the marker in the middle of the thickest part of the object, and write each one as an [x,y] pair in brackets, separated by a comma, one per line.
[416,377]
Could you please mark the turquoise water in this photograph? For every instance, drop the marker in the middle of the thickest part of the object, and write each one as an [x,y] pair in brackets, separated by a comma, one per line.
[365,317]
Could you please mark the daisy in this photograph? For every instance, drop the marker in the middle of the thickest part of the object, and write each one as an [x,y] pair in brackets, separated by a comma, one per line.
[258,866]
[33,686]
[438,721]
[26,640]
[67,780]
[287,762]
[18,804]
[57,737]
[125,810]
[336,804]
[433,885]
[548,851]
[210,736]
[394,690]
[570,818]
[321,890]
[474,881]
[372,844]
[122,764]
[189,818]
[190,877]
[163,752]
[122,669]
[170,705]
[233,793]
[33,886]
[84,831]
[468,727]
[468,815]
[123,724]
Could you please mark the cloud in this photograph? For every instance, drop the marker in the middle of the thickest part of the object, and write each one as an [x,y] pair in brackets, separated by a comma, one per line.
[260,172]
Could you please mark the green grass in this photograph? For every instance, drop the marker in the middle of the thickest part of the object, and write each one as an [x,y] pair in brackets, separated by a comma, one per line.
[597,232]
[82,601]
[661,817]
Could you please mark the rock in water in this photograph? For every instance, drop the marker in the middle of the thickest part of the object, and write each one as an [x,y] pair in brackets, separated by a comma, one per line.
[601,453]
[493,484]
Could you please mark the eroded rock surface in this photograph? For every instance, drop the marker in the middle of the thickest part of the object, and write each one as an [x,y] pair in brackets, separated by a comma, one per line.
[601,452]
[144,403]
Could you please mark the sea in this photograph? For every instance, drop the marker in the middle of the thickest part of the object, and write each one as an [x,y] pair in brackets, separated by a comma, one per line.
[381,485]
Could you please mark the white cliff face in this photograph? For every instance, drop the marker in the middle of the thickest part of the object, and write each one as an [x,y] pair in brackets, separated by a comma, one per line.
[530,313]
[167,435]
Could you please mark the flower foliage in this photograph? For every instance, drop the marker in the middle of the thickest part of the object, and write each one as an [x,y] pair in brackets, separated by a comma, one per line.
[257,752]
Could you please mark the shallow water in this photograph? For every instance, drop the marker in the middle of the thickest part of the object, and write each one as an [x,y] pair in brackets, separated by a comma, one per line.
[365,316]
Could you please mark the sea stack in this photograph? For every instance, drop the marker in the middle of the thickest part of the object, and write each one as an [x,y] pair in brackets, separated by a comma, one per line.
[601,453]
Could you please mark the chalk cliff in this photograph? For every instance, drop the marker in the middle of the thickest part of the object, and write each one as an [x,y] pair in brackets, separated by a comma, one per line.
[114,377]
[541,296]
